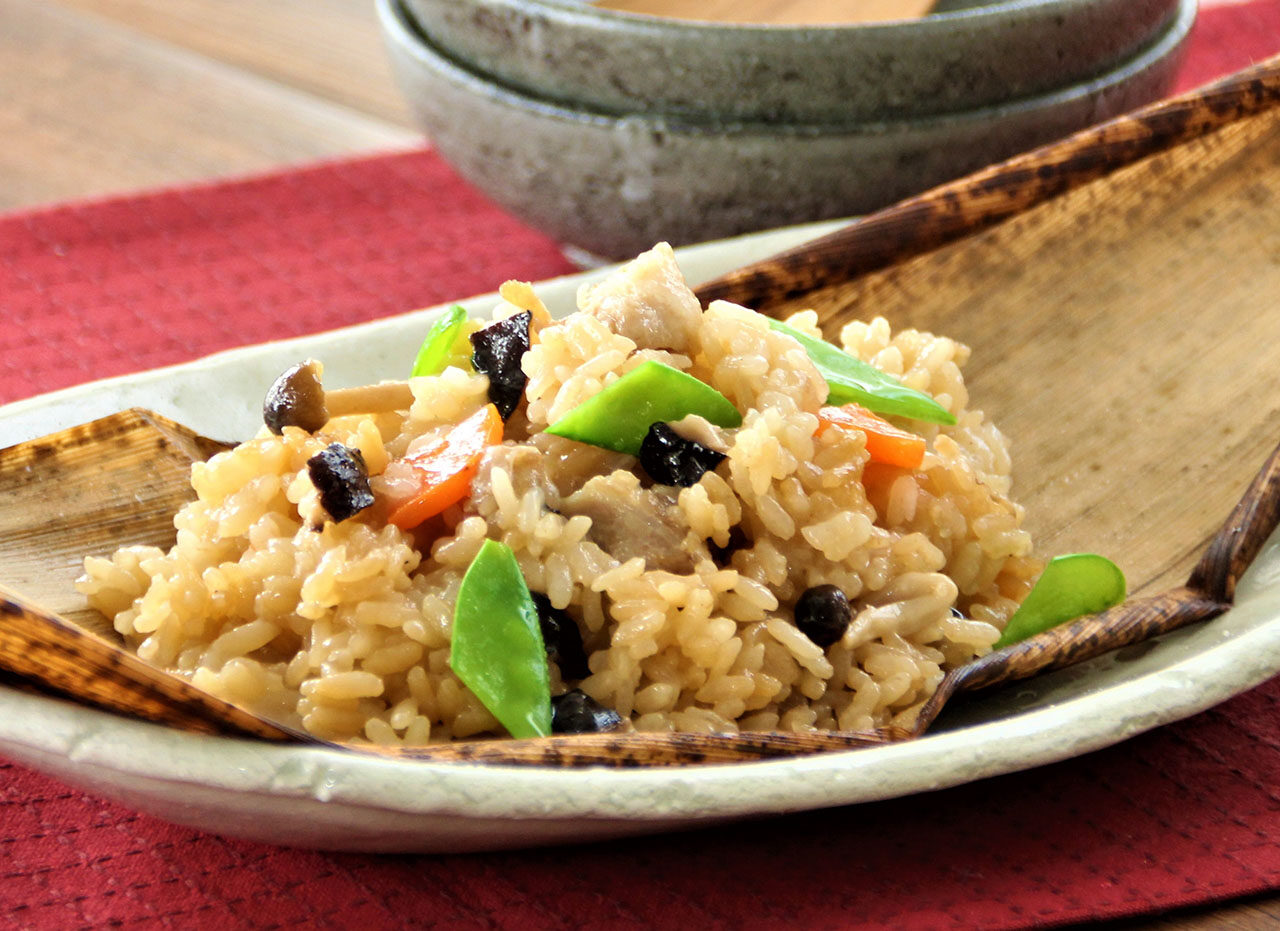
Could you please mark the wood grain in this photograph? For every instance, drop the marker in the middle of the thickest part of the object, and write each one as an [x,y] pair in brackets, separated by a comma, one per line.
[331,49]
[1256,913]
[92,107]
[1165,276]
[120,480]
[65,659]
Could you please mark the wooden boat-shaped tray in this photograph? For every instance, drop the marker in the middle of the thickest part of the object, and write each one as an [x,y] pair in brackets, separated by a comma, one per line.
[1121,292]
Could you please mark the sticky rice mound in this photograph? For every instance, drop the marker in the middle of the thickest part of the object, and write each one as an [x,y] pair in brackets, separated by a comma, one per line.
[684,597]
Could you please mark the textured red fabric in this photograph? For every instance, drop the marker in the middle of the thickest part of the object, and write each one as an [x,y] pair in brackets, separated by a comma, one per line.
[1185,815]
[97,289]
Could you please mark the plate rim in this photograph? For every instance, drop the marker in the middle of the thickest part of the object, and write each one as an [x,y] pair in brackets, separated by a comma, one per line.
[485,790]
[77,739]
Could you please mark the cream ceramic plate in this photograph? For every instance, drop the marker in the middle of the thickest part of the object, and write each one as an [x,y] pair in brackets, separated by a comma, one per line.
[319,798]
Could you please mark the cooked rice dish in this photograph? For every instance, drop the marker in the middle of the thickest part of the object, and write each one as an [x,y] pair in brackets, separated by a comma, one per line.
[687,597]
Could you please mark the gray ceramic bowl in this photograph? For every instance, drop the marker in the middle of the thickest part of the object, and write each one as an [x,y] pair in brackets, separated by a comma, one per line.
[976,53]
[615,185]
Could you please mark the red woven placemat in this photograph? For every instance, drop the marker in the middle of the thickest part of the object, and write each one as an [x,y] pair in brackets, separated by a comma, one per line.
[1186,814]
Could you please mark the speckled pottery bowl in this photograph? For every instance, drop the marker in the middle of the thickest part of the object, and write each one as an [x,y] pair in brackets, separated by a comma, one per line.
[973,53]
[613,185]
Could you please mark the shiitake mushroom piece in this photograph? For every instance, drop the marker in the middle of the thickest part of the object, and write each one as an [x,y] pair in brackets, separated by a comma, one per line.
[496,352]
[342,478]
[562,638]
[670,459]
[576,712]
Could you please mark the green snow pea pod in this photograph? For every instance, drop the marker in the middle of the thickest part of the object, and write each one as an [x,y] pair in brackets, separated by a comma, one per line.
[850,379]
[618,416]
[433,355]
[1070,587]
[497,648]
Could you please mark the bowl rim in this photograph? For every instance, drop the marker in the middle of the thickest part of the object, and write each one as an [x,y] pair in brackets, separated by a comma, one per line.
[582,12]
[403,31]
[797,73]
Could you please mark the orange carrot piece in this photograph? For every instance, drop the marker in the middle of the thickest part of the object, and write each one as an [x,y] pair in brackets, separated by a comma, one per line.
[885,442]
[447,467]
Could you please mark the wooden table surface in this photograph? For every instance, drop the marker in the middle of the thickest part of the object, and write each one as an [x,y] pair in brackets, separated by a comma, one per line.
[110,96]
[106,96]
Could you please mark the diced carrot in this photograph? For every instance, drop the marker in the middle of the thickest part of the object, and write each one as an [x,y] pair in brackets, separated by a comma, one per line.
[447,467]
[885,442]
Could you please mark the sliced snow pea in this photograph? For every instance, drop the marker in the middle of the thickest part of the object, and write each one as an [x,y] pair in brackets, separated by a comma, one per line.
[1071,586]
[497,648]
[850,379]
[437,348]
[618,417]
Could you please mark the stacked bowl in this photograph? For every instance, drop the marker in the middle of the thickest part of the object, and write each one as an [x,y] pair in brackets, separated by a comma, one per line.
[612,130]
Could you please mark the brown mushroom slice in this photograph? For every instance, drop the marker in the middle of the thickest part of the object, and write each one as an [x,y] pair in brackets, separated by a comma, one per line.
[298,399]
[369,399]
